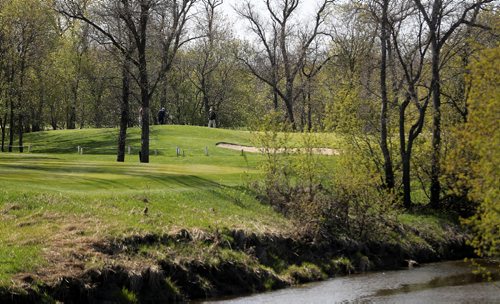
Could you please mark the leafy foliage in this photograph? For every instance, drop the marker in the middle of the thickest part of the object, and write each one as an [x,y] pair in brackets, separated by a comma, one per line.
[476,161]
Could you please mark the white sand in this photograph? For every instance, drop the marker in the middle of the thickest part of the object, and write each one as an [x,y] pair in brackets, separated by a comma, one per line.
[320,151]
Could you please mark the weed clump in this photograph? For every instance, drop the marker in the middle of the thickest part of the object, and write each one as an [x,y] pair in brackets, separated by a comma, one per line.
[127,296]
[304,273]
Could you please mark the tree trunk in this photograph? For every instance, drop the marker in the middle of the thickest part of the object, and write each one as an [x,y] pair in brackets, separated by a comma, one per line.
[144,86]
[309,107]
[72,117]
[435,187]
[98,93]
[3,123]
[205,98]
[388,169]
[289,103]
[124,119]
[35,127]
[438,37]
[98,120]
[163,98]
[11,125]
[20,130]
[274,88]
[36,113]
[405,156]
[20,103]
[72,109]
[53,119]
[406,179]
[82,115]
[303,111]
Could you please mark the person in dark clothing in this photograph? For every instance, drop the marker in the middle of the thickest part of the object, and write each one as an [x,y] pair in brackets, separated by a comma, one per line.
[212,116]
[162,114]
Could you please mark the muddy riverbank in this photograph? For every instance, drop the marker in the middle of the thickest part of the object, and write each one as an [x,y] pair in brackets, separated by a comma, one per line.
[194,265]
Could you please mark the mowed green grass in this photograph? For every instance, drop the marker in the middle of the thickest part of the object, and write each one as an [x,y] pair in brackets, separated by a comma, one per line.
[53,198]
[166,138]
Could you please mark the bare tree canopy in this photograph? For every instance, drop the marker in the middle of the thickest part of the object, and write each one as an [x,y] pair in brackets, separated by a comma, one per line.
[282,46]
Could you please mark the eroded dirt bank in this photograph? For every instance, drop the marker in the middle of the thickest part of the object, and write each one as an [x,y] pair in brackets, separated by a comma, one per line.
[191,265]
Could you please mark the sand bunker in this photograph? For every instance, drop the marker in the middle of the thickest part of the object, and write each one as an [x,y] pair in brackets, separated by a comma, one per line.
[250,149]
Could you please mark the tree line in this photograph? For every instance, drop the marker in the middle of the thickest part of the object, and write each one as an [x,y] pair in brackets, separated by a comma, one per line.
[392,76]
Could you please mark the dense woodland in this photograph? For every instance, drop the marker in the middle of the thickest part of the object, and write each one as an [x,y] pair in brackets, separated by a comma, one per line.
[412,85]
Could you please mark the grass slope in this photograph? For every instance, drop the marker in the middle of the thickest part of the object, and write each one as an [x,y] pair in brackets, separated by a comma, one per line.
[54,202]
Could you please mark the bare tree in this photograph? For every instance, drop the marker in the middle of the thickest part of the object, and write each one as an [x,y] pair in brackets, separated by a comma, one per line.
[125,97]
[383,22]
[383,13]
[284,46]
[411,56]
[168,17]
[3,113]
[208,48]
[313,64]
[443,18]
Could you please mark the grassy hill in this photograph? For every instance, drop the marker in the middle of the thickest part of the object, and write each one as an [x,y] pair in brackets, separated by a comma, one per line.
[53,200]
[166,138]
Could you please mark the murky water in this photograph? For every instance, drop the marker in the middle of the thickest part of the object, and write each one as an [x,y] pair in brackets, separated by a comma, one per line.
[447,282]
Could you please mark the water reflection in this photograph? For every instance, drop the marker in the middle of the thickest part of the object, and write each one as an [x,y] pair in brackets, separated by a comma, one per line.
[448,282]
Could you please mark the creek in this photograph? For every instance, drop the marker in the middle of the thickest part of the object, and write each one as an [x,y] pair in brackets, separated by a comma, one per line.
[444,282]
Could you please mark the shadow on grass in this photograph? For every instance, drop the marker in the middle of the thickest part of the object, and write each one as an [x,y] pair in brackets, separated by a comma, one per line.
[60,142]
[183,181]
[103,141]
[122,179]
[237,195]
[26,157]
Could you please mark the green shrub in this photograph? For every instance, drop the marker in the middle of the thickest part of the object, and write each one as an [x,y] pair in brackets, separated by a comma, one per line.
[304,273]
[127,296]
[324,198]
